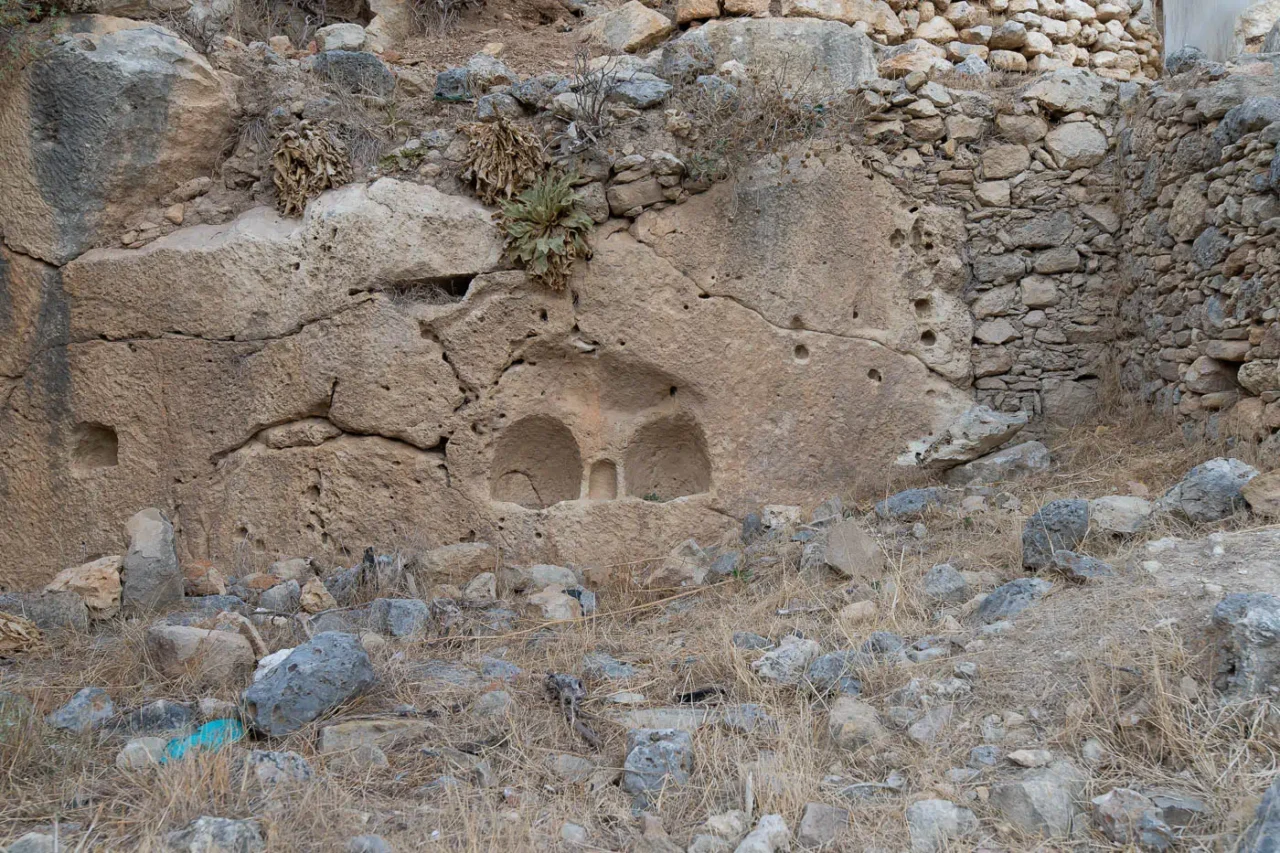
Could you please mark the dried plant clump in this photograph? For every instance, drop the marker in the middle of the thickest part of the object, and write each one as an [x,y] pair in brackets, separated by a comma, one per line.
[502,159]
[546,229]
[307,160]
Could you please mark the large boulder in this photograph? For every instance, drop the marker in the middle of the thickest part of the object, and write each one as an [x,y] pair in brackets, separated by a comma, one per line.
[48,611]
[152,576]
[316,677]
[97,126]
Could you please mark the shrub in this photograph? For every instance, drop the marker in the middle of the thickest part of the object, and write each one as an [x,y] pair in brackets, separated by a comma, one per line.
[17,17]
[502,159]
[546,229]
[307,160]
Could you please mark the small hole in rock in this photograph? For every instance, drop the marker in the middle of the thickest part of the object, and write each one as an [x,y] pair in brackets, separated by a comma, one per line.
[801,353]
[542,315]
[874,375]
[922,305]
[928,338]
[97,446]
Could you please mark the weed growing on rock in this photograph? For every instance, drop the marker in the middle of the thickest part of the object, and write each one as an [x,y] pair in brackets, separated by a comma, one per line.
[307,161]
[546,229]
[502,159]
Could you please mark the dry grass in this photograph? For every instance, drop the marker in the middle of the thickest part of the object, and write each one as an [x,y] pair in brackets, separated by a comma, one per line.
[1100,661]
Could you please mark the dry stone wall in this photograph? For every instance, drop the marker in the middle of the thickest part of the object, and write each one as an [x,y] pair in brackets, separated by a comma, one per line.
[1203,262]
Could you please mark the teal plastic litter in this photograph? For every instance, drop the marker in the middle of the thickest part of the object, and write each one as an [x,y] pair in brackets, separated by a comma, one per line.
[212,735]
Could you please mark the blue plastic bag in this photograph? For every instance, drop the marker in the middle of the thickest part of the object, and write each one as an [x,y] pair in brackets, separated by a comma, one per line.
[212,735]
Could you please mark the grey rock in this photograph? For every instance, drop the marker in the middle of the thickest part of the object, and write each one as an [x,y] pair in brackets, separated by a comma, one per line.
[444,675]
[316,677]
[601,665]
[687,57]
[1011,599]
[498,669]
[944,585]
[1043,232]
[655,759]
[162,715]
[822,825]
[283,597]
[728,564]
[498,105]
[399,617]
[1080,567]
[36,842]
[747,719]
[49,611]
[1011,463]
[485,71]
[87,710]
[1185,59]
[219,834]
[787,663]
[640,90]
[571,768]
[750,641]
[368,844]
[1248,117]
[823,54]
[1210,248]
[1041,801]
[984,756]
[1127,817]
[1264,835]
[452,85]
[1071,90]
[884,644]
[150,571]
[1177,809]
[837,672]
[1119,513]
[201,607]
[1247,626]
[974,433]
[1210,491]
[357,72]
[536,92]
[141,753]
[912,503]
[935,824]
[973,66]
[1272,42]
[270,768]
[1057,526]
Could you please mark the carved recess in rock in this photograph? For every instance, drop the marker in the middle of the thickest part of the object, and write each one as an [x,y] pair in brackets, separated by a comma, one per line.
[828,247]
[97,126]
[536,463]
[304,389]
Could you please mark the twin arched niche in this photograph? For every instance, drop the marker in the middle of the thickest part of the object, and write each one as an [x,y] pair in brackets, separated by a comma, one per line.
[667,458]
[537,463]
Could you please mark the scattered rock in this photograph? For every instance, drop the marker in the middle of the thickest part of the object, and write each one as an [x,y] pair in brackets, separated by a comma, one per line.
[750,641]
[1058,526]
[973,434]
[269,769]
[770,835]
[1128,817]
[1248,629]
[935,824]
[854,724]
[1007,601]
[141,753]
[48,611]
[1210,491]
[836,672]
[399,617]
[1264,835]
[201,577]
[97,583]
[1041,801]
[368,844]
[656,758]
[218,835]
[87,710]
[320,674]
[787,663]
[1119,513]
[822,825]
[631,27]
[357,72]
[155,717]
[152,578]
[600,665]
[1011,463]
[213,658]
[944,585]
[284,597]
[853,552]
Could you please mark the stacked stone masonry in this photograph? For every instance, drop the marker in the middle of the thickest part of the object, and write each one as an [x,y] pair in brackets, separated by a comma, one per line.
[1202,273]
[1009,35]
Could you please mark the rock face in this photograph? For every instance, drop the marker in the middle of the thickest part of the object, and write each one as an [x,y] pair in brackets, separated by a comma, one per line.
[318,675]
[324,395]
[152,577]
[149,114]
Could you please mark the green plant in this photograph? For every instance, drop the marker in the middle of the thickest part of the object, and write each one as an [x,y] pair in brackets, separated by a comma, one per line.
[653,497]
[546,230]
[17,20]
